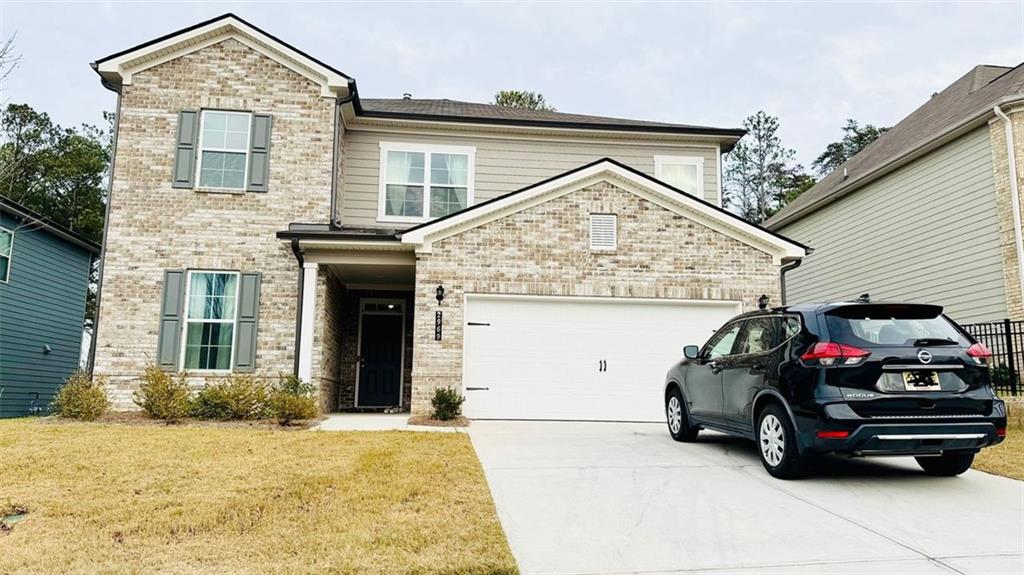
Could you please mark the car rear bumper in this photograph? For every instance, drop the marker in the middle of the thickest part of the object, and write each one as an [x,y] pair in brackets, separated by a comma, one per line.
[910,436]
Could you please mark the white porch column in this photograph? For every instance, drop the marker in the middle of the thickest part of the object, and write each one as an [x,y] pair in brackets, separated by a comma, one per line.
[306,323]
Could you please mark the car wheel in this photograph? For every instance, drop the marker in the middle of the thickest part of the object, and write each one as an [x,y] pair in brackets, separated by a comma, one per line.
[776,443]
[679,426]
[947,464]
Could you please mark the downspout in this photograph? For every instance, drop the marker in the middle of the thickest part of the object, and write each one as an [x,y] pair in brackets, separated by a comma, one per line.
[782,275]
[297,250]
[90,364]
[353,96]
[1014,196]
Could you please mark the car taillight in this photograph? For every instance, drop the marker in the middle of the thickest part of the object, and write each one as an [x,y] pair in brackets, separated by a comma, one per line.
[831,353]
[1000,432]
[979,353]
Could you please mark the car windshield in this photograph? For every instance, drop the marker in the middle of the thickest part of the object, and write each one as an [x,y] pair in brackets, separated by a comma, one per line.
[892,326]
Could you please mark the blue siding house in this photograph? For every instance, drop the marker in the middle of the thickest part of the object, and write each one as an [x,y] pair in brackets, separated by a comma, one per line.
[44,279]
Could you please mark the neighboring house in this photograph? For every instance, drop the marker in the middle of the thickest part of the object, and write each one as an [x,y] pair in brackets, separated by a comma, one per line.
[264,218]
[926,213]
[44,280]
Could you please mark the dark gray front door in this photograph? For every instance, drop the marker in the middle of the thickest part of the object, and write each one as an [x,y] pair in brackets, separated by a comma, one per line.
[380,361]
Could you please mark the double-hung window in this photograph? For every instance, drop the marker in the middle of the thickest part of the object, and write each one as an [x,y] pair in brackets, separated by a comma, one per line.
[224,149]
[210,304]
[420,182]
[683,172]
[6,249]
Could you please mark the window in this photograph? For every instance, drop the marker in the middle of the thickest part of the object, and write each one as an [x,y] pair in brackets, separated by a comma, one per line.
[224,149]
[721,344]
[210,299]
[759,335]
[418,182]
[602,231]
[6,248]
[683,172]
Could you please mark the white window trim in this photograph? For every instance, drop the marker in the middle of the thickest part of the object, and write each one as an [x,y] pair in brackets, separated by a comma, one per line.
[199,155]
[426,150]
[698,161]
[10,255]
[185,321]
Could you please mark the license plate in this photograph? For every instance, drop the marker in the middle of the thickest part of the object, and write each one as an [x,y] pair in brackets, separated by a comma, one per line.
[921,381]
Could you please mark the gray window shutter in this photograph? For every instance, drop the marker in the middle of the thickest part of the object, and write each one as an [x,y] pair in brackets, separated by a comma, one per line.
[185,149]
[259,153]
[171,307]
[245,327]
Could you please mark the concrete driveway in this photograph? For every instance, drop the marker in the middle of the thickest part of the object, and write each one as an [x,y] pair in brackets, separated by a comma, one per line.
[625,498]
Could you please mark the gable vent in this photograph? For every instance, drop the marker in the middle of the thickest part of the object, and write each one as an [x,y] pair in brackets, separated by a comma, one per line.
[602,231]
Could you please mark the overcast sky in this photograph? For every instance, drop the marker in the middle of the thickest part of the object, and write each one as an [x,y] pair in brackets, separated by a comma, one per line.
[699,63]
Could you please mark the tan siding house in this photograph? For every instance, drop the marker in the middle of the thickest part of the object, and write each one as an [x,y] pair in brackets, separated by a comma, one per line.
[265,219]
[925,213]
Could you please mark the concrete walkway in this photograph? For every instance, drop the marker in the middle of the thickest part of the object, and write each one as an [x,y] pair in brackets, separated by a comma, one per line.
[376,422]
[601,498]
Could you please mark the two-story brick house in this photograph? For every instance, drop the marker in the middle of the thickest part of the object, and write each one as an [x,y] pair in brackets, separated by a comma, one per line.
[265,218]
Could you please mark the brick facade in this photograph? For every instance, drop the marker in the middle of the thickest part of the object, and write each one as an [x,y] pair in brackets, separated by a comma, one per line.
[1001,173]
[544,250]
[154,227]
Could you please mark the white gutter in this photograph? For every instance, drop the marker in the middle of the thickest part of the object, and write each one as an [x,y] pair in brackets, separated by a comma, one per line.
[1014,196]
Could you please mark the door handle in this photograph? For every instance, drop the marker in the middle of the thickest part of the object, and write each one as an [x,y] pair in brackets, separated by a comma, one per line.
[757,366]
[715,367]
[602,366]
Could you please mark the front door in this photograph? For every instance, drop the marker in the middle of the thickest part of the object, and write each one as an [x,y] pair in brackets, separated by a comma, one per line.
[380,360]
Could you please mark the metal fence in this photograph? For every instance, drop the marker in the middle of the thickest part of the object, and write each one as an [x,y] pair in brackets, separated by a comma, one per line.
[1006,340]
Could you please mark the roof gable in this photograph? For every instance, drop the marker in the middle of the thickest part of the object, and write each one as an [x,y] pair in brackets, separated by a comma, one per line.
[118,68]
[624,177]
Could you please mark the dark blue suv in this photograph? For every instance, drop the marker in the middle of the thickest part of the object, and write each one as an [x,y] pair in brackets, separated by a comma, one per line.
[854,378]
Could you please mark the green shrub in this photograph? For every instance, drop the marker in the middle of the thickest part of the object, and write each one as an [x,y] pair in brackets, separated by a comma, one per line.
[81,397]
[162,396]
[447,403]
[233,397]
[293,400]
[1001,375]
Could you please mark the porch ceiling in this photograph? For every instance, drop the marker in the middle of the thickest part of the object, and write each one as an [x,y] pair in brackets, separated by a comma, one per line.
[363,275]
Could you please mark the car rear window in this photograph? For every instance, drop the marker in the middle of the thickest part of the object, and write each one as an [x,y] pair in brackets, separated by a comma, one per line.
[892,326]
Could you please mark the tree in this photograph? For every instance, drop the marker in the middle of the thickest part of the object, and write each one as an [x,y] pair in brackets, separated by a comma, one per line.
[8,59]
[57,172]
[855,139]
[759,177]
[522,99]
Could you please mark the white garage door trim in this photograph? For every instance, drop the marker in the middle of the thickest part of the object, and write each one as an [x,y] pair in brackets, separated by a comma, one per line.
[729,309]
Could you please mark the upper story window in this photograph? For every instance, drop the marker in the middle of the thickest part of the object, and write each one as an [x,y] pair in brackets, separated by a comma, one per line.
[420,182]
[683,172]
[6,248]
[210,317]
[224,149]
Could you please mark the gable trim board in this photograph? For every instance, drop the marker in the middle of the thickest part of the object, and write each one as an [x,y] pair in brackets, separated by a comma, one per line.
[118,68]
[780,248]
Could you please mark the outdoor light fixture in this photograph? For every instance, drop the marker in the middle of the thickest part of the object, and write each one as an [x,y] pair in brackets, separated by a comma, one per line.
[440,293]
[762,302]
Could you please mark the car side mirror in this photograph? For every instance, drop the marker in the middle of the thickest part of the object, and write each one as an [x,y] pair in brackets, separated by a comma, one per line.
[691,351]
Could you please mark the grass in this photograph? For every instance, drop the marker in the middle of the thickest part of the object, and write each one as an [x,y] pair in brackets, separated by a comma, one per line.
[139,499]
[1007,458]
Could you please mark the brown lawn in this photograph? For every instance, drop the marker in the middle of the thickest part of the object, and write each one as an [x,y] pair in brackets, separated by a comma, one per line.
[1007,458]
[140,499]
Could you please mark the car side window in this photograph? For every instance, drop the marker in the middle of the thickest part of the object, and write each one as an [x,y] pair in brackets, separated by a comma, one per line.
[790,327]
[759,335]
[721,344]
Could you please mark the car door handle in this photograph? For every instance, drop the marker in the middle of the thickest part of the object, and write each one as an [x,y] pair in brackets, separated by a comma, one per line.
[758,366]
[715,367]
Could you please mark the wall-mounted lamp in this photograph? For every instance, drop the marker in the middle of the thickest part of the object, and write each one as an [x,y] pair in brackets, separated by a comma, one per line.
[440,294]
[762,302]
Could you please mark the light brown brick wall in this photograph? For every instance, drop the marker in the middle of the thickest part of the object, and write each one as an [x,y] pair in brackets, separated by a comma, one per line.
[154,227]
[1001,168]
[544,250]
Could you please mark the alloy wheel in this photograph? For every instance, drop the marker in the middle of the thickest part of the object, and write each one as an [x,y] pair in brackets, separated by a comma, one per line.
[772,439]
[675,414]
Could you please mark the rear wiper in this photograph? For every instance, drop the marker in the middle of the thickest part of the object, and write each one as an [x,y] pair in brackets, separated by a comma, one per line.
[925,341]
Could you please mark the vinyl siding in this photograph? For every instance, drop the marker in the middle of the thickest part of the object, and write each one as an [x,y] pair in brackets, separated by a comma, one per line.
[925,233]
[43,303]
[503,165]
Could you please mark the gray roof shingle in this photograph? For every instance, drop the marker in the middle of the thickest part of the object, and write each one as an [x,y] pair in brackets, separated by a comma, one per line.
[974,92]
[454,110]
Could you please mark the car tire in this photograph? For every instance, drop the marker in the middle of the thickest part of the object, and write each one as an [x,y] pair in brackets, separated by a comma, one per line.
[947,464]
[679,426]
[776,443]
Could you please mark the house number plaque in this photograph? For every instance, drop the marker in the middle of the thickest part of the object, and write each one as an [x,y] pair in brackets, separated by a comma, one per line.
[437,326]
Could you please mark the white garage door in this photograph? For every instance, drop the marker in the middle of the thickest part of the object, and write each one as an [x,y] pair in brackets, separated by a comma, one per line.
[577,358]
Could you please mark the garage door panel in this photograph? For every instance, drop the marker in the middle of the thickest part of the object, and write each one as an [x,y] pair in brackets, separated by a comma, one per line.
[541,358]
